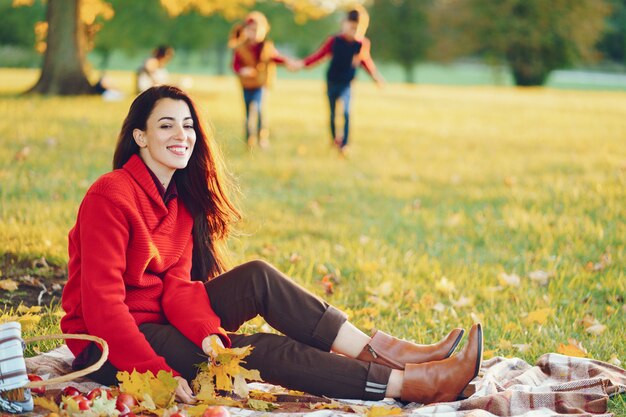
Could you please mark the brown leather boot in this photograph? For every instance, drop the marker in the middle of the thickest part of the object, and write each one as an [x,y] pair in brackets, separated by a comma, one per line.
[444,380]
[396,353]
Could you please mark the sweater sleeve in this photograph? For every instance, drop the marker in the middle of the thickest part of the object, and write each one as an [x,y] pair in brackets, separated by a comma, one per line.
[366,58]
[321,53]
[237,64]
[186,303]
[104,236]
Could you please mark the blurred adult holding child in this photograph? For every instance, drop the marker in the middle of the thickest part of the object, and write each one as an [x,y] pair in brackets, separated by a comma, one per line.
[254,61]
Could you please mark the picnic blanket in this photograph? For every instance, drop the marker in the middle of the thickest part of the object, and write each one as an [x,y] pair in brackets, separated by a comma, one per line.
[555,386]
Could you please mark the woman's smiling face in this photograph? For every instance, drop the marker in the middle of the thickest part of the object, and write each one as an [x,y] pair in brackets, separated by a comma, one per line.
[167,143]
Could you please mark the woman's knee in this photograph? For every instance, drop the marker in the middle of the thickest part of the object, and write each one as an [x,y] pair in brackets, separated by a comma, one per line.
[263,274]
[259,266]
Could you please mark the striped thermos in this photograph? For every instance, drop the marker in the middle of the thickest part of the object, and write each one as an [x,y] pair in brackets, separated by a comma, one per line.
[13,375]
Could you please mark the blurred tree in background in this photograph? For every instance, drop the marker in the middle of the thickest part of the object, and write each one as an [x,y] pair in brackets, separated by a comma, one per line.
[613,44]
[400,33]
[533,37]
[71,26]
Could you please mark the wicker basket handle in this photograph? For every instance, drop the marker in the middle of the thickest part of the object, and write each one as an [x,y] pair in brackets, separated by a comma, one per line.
[72,375]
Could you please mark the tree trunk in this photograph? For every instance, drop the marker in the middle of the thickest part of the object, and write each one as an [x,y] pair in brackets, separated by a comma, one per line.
[63,71]
[528,66]
[529,77]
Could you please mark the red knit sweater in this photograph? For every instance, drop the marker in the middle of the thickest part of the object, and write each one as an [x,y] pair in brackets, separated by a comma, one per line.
[130,263]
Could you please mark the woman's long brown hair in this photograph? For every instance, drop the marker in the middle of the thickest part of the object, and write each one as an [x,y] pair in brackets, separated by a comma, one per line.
[201,185]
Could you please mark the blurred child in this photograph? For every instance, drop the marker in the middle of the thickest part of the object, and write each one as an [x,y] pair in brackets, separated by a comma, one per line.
[254,59]
[153,72]
[348,50]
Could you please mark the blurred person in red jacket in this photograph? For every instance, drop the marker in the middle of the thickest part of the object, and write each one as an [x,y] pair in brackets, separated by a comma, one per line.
[254,61]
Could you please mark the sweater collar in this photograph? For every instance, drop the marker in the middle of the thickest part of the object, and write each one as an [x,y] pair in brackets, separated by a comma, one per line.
[141,174]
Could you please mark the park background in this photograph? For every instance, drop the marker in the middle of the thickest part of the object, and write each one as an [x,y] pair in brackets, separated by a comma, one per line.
[464,197]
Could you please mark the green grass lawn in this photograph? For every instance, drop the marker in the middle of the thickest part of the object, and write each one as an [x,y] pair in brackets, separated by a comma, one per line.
[447,193]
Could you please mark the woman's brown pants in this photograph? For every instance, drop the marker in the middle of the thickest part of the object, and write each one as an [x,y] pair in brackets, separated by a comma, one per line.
[299,360]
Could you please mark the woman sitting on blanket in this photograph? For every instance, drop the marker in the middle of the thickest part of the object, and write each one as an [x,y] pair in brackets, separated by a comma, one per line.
[146,275]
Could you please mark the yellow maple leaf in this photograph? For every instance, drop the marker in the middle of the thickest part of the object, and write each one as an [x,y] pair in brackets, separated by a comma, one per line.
[260,405]
[224,372]
[151,391]
[574,348]
[262,395]
[28,321]
[538,316]
[46,403]
[380,411]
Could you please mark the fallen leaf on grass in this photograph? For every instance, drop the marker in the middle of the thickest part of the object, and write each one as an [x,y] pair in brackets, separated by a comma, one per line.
[22,309]
[439,307]
[327,284]
[538,316]
[574,348]
[605,260]
[505,344]
[540,277]
[22,154]
[488,354]
[427,300]
[385,289]
[445,286]
[28,321]
[510,327]
[8,285]
[522,348]
[511,280]
[596,329]
[592,325]
[463,302]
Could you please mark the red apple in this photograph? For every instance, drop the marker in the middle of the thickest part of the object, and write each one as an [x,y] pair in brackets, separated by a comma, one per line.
[178,415]
[125,402]
[216,411]
[82,401]
[70,391]
[40,390]
[97,392]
